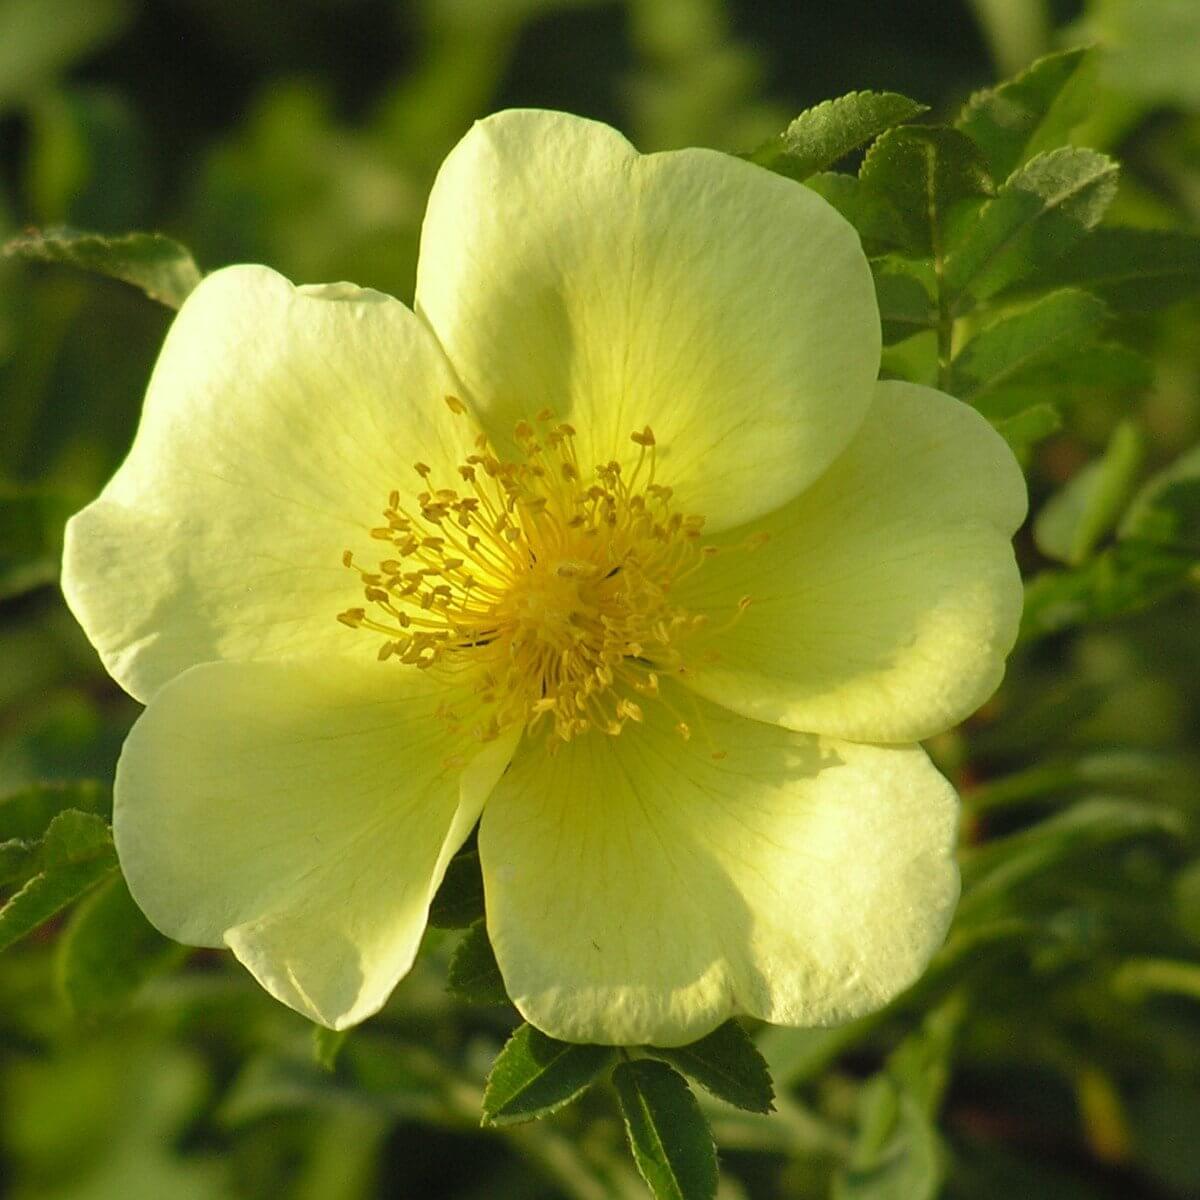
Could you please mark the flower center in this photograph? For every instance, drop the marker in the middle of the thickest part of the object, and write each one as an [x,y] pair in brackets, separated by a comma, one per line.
[551,589]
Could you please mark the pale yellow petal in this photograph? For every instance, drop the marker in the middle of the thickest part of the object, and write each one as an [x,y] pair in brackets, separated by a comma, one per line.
[728,308]
[276,423]
[639,890]
[302,814]
[887,597]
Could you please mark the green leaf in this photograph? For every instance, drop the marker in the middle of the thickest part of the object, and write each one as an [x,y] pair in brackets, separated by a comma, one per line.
[877,221]
[1030,426]
[1166,510]
[820,136]
[669,1138]
[727,1064]
[1055,325]
[1140,977]
[161,267]
[998,868]
[896,1154]
[1151,49]
[459,900]
[474,975]
[76,853]
[1122,579]
[1074,520]
[1132,269]
[905,304]
[920,1064]
[535,1075]
[28,813]
[1086,373]
[31,528]
[327,1045]
[1025,115]
[1042,209]
[109,950]
[18,859]
[930,175]
[39,38]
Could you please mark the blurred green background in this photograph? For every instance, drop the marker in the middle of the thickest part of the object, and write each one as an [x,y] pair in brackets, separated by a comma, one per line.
[1065,1056]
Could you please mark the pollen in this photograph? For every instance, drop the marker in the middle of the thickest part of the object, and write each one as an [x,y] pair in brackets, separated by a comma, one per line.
[545,587]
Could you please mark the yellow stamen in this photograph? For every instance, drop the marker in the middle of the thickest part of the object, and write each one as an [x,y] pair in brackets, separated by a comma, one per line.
[545,588]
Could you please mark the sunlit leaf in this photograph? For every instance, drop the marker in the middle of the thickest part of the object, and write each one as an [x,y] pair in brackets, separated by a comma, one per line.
[76,853]
[535,1075]
[161,267]
[1151,48]
[896,1155]
[1074,520]
[1025,115]
[821,136]
[669,1138]
[1166,510]
[1029,426]
[327,1045]
[1041,209]
[40,37]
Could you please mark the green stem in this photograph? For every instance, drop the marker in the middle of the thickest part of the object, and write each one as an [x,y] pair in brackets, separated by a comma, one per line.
[945,313]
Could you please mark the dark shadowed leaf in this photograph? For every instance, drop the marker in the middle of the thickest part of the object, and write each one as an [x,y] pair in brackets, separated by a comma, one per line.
[31,527]
[535,1075]
[1122,579]
[1050,329]
[474,975]
[820,136]
[930,175]
[108,950]
[727,1064]
[459,900]
[670,1139]
[876,219]
[996,869]
[905,304]
[1132,269]
[1073,375]
[28,813]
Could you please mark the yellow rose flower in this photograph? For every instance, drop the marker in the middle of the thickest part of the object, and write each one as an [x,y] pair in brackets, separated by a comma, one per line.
[614,545]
